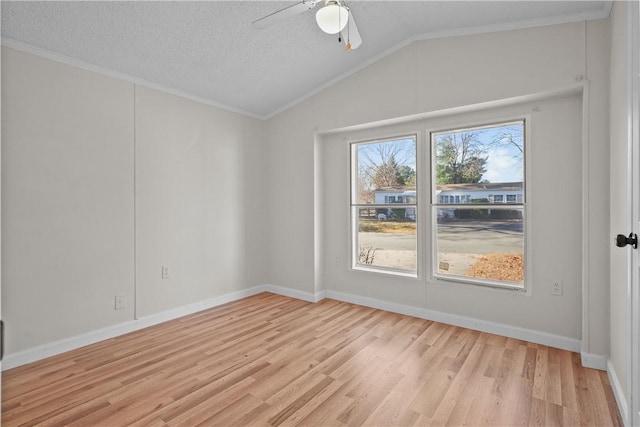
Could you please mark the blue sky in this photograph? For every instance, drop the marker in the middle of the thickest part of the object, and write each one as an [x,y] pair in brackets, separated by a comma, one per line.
[505,162]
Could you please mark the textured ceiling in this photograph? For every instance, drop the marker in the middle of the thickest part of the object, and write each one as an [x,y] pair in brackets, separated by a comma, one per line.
[209,49]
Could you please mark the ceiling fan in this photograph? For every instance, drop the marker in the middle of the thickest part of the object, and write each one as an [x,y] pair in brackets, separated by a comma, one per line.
[332,18]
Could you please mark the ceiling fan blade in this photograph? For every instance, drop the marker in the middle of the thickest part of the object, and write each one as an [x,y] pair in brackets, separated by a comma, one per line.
[350,34]
[283,14]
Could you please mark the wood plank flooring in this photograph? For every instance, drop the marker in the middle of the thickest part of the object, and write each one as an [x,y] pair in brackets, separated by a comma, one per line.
[271,360]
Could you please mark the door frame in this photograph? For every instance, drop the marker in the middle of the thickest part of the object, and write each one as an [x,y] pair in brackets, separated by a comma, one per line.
[634,308]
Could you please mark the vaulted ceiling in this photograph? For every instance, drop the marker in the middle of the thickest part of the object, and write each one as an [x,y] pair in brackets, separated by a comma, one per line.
[208,50]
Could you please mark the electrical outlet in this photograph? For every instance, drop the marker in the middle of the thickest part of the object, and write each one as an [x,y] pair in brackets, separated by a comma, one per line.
[120,302]
[556,288]
[165,272]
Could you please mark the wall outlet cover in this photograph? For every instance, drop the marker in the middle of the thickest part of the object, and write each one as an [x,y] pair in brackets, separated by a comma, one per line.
[120,302]
[556,288]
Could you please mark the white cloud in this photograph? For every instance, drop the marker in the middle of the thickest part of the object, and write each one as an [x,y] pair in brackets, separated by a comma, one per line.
[503,166]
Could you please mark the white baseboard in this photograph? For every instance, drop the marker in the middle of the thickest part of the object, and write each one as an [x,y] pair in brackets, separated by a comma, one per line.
[538,337]
[376,303]
[594,361]
[13,360]
[294,293]
[619,394]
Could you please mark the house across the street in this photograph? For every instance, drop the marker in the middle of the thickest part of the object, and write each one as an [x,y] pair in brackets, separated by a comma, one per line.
[499,193]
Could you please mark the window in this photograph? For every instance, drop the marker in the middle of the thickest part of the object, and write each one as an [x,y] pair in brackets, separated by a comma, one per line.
[476,205]
[478,241]
[384,234]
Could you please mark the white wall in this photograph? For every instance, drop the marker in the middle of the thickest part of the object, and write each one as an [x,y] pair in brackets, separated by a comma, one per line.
[595,333]
[620,214]
[67,200]
[103,182]
[191,211]
[429,76]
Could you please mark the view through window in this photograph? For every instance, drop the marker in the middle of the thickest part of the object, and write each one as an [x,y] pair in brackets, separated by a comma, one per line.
[384,205]
[478,204]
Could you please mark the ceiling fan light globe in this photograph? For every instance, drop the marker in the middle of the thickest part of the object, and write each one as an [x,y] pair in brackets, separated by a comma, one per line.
[332,18]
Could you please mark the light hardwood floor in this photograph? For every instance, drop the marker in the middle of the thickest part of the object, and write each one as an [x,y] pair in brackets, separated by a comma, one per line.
[272,360]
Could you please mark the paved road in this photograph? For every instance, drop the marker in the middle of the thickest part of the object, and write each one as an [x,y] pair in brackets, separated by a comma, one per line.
[461,237]
[480,237]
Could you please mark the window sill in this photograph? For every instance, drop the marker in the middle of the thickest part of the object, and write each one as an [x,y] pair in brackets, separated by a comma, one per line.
[387,271]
